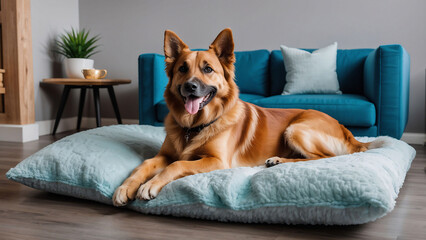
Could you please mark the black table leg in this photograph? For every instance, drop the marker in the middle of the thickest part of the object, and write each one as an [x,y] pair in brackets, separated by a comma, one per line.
[114,103]
[81,106]
[64,98]
[97,106]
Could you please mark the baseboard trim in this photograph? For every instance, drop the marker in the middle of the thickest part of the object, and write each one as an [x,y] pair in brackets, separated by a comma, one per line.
[414,138]
[19,133]
[66,124]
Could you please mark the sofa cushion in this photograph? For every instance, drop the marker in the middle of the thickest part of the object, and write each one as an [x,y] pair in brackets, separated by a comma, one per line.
[251,98]
[252,71]
[162,110]
[350,69]
[348,109]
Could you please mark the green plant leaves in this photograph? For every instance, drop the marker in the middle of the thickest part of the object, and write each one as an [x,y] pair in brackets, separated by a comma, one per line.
[77,44]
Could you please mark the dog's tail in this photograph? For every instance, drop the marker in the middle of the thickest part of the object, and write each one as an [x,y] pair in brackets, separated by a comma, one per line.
[378,142]
[357,146]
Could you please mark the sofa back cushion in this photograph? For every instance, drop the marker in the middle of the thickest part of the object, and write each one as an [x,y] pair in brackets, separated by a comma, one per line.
[350,69]
[252,72]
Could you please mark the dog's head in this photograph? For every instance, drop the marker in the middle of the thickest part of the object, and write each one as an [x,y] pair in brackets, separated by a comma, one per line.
[201,83]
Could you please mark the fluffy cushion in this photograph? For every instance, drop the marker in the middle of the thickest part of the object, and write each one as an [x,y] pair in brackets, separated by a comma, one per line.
[310,72]
[349,189]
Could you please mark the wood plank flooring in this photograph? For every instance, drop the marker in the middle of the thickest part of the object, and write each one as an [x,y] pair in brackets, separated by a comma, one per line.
[27,213]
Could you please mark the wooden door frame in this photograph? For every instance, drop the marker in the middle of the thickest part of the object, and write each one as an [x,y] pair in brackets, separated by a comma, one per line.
[15,19]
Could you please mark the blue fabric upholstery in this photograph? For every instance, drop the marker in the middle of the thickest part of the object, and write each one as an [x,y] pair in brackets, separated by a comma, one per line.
[152,83]
[387,85]
[161,111]
[251,98]
[348,109]
[251,71]
[277,73]
[367,131]
[374,82]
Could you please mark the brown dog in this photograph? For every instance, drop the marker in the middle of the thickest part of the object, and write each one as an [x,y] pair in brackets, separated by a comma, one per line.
[210,128]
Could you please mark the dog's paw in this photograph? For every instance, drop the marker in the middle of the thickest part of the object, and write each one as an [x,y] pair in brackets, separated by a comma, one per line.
[120,197]
[270,162]
[148,191]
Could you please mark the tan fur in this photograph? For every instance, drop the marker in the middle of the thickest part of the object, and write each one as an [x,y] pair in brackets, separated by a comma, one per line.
[242,135]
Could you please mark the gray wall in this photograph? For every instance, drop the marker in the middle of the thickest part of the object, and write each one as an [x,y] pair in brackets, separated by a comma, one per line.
[132,27]
[49,18]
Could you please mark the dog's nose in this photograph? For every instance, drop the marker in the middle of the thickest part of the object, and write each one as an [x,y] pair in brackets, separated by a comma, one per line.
[191,86]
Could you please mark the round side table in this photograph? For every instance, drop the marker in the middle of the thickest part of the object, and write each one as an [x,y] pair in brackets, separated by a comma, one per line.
[83,85]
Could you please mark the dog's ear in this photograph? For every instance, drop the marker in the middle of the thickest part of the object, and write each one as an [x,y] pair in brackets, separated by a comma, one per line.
[173,46]
[223,46]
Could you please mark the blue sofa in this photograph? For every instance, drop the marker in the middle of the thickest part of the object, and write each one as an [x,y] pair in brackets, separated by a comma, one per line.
[374,82]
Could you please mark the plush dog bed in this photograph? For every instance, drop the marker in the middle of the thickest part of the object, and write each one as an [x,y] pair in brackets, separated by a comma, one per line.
[350,189]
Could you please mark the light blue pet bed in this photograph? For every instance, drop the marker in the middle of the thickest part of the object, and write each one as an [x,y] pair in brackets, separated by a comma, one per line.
[350,189]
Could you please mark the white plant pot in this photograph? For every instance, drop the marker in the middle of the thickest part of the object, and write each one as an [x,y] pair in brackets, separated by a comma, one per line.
[73,66]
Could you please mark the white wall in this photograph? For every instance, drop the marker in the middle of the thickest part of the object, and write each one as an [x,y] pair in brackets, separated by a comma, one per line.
[49,18]
[132,27]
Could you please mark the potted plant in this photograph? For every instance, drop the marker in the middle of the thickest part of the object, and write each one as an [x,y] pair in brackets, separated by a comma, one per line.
[77,48]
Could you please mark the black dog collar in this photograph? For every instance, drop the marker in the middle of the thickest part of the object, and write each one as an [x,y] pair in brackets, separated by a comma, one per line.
[196,129]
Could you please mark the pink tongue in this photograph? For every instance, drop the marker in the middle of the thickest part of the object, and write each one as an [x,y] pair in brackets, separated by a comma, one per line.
[192,105]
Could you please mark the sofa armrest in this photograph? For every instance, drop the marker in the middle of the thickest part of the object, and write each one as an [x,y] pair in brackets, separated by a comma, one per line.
[152,83]
[387,85]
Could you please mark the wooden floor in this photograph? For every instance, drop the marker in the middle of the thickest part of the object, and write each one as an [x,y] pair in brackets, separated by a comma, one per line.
[26,213]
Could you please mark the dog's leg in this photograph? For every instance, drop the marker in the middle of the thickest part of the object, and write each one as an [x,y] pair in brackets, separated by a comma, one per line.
[316,135]
[177,170]
[312,143]
[270,162]
[148,169]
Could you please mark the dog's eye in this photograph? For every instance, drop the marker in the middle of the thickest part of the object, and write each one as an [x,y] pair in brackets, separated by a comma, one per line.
[208,69]
[183,69]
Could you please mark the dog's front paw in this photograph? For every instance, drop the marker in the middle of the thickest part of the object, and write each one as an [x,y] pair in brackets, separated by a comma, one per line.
[149,190]
[125,193]
[270,162]
[120,197]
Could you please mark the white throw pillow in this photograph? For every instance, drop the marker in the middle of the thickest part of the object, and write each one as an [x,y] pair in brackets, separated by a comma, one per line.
[311,72]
